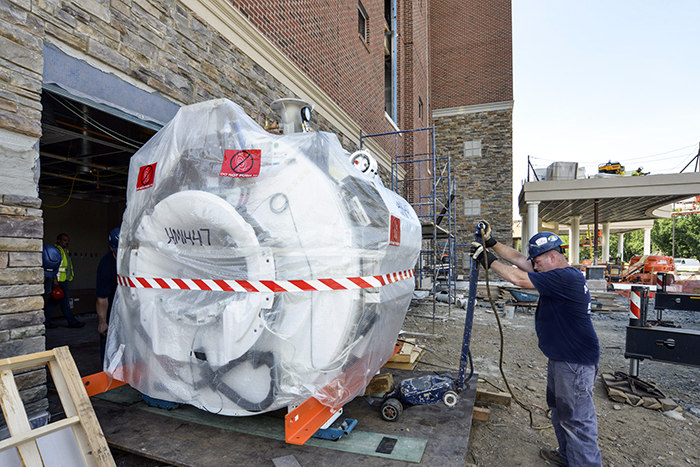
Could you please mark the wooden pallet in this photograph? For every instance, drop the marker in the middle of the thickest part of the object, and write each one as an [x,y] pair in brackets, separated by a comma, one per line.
[80,417]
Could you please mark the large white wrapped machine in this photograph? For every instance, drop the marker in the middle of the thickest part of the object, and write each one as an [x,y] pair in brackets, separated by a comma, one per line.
[256,270]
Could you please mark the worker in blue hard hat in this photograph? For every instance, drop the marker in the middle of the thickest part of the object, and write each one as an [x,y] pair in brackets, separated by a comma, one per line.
[106,287]
[50,260]
[60,277]
[565,335]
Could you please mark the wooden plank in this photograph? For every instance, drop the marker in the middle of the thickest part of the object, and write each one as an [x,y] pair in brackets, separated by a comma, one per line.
[493,397]
[404,355]
[96,439]
[405,366]
[481,413]
[36,433]
[23,362]
[80,416]
[70,410]
[16,419]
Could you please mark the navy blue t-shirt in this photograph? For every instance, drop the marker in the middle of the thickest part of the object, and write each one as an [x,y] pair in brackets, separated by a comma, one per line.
[106,285]
[563,317]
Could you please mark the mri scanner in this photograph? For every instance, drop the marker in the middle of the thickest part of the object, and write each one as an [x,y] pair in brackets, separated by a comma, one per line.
[257,270]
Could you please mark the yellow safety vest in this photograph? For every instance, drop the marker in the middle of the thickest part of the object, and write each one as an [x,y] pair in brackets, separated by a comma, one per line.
[65,270]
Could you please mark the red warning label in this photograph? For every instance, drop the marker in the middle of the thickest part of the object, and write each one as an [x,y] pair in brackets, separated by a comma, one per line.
[147,175]
[244,163]
[395,233]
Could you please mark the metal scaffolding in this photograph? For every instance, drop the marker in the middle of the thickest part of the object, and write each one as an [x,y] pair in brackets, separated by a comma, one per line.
[425,180]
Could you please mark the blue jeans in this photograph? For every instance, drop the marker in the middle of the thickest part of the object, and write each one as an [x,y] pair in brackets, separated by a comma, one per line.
[65,306]
[570,397]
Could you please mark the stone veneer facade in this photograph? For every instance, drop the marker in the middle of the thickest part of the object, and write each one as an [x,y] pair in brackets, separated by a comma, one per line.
[21,286]
[484,183]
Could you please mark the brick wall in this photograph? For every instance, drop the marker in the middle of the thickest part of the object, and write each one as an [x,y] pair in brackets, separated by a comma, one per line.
[471,65]
[322,39]
[471,52]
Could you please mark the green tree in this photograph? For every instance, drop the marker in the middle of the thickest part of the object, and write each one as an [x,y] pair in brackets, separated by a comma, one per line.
[687,236]
[634,244]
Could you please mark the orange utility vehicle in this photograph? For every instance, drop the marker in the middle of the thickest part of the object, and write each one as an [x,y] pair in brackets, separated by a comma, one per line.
[643,268]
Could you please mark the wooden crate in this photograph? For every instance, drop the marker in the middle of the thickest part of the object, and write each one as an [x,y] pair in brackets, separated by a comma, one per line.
[80,417]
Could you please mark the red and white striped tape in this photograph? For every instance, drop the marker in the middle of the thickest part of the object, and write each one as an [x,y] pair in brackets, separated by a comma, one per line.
[635,304]
[222,285]
[660,282]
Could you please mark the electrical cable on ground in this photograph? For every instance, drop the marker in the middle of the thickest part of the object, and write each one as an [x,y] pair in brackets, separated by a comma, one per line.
[500,362]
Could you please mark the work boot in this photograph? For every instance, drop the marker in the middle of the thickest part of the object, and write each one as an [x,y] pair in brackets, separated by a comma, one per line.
[552,455]
[77,324]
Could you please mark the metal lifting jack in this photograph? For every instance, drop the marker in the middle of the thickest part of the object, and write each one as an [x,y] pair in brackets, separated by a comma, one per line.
[430,389]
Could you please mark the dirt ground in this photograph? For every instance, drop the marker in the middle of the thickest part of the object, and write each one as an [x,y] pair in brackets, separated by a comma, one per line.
[628,436]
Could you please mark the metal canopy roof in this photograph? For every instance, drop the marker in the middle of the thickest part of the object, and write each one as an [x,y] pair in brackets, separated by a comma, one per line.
[621,198]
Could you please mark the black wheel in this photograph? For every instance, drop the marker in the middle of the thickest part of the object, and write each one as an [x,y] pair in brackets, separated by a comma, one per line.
[391,410]
[450,399]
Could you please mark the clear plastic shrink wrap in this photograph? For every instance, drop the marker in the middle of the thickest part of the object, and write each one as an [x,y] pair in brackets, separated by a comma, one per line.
[214,197]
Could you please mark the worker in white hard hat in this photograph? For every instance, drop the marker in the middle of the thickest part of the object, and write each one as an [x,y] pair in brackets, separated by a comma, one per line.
[639,171]
[565,335]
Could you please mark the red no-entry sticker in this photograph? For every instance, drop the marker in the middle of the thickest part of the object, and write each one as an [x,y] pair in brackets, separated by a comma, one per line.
[395,233]
[147,175]
[243,163]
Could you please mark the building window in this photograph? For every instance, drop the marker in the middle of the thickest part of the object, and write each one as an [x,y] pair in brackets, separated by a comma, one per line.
[472,207]
[420,108]
[362,22]
[390,75]
[472,148]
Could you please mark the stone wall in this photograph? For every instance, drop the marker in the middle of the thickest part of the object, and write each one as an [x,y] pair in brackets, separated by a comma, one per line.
[21,287]
[484,183]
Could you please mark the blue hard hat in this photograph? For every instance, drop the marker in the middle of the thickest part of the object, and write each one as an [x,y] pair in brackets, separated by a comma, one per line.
[51,260]
[543,242]
[114,238]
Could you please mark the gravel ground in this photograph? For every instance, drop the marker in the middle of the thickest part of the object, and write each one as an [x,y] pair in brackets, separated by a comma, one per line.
[627,435]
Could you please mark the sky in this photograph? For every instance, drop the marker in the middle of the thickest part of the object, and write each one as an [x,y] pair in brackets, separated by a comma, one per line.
[597,81]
